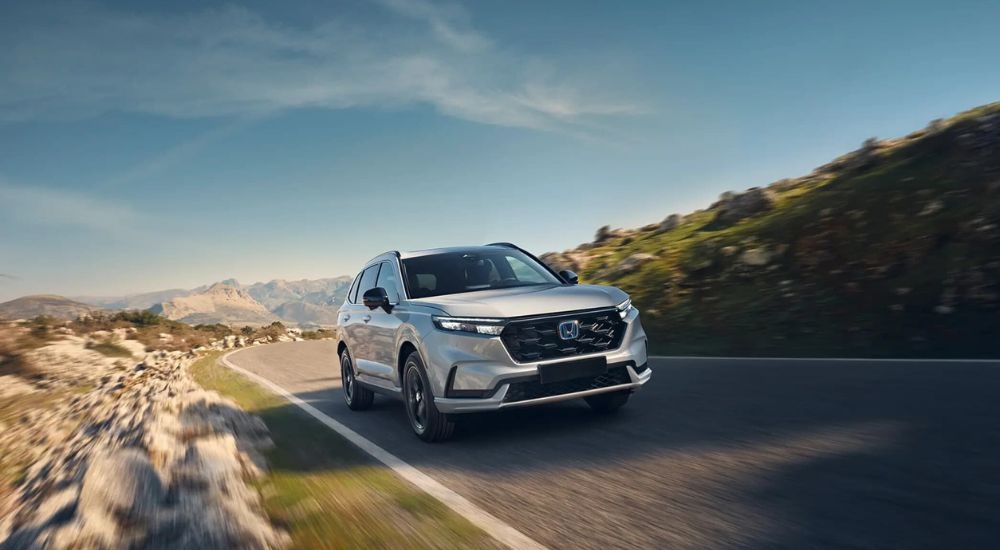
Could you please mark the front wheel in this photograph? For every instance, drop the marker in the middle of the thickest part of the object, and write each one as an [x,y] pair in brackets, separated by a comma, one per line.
[427,422]
[608,402]
[358,397]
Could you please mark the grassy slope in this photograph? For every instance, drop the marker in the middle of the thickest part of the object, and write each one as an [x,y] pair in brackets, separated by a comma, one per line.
[326,492]
[862,273]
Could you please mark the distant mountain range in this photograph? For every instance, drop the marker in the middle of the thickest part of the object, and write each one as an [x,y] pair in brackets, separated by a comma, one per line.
[219,303]
[145,300]
[304,302]
[28,307]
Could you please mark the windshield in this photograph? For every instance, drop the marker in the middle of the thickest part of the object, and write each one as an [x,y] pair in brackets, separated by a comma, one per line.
[457,272]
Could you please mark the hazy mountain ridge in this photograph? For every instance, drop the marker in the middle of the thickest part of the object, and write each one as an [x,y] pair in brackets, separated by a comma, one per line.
[321,292]
[892,249]
[220,303]
[50,305]
[306,301]
[308,314]
[144,300]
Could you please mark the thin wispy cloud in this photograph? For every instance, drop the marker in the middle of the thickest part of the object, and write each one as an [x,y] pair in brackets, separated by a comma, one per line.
[43,206]
[449,23]
[85,60]
[178,154]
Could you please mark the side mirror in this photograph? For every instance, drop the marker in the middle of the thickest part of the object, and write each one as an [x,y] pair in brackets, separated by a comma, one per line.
[377,297]
[569,276]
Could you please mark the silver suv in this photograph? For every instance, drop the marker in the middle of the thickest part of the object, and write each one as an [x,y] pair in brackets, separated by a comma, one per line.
[461,330]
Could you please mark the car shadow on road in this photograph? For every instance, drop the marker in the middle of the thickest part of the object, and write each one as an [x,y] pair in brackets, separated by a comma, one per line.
[768,454]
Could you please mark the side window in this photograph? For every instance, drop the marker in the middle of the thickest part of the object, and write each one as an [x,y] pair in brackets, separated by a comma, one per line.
[367,280]
[352,295]
[387,279]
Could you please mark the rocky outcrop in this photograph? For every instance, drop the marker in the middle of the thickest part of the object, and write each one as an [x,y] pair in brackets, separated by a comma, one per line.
[220,303]
[733,207]
[756,257]
[671,222]
[861,158]
[145,458]
[983,134]
[628,265]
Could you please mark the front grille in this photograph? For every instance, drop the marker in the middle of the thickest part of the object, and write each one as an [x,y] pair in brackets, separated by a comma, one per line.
[538,339]
[533,389]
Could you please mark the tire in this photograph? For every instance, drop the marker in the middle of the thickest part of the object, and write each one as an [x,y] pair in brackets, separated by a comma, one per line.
[358,398]
[426,421]
[605,403]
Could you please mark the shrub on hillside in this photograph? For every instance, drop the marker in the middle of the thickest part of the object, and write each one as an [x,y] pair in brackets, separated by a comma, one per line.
[317,334]
[271,332]
[109,349]
[12,359]
[139,318]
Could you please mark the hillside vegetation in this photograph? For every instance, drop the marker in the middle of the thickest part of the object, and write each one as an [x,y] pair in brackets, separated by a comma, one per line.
[891,250]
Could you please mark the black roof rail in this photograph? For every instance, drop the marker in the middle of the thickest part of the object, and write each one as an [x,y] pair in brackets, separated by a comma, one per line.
[507,245]
[393,252]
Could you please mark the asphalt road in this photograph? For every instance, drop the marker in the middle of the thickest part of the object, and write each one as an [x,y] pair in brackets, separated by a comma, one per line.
[716,454]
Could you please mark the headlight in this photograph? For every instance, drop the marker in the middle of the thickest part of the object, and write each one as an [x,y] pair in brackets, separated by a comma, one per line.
[625,308]
[490,327]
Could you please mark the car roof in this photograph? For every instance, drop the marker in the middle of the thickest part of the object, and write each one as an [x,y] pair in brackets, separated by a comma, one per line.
[431,251]
[447,250]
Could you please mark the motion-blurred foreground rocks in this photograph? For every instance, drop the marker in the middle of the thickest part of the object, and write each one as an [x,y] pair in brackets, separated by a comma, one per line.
[130,455]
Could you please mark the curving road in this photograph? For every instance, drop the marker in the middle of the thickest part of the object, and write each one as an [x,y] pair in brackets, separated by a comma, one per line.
[716,453]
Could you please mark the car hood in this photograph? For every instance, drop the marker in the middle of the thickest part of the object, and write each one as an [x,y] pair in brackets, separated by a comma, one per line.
[525,301]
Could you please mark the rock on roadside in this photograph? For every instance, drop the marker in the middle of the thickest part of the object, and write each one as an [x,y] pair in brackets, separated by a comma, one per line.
[147,459]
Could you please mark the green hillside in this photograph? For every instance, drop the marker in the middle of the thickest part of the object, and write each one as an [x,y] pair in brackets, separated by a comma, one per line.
[891,250]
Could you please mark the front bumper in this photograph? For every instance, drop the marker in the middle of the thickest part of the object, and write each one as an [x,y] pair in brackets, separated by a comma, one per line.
[471,373]
[497,401]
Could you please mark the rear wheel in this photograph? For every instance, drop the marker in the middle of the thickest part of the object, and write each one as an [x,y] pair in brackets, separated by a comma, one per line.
[427,422]
[608,402]
[358,398]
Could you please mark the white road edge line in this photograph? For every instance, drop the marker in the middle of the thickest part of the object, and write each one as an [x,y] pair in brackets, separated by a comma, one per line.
[840,359]
[493,526]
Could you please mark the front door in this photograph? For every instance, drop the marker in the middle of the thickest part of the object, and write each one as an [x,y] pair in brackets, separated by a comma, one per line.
[384,325]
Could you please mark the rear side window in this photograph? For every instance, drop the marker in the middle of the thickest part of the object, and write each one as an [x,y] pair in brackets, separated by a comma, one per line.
[368,280]
[352,295]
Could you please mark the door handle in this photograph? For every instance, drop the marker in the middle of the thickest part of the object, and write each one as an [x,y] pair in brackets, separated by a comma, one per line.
[366,318]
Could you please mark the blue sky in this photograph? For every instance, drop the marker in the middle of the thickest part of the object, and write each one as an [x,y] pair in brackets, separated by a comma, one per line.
[148,145]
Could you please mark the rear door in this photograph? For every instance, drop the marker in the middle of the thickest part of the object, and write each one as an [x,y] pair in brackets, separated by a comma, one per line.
[347,312]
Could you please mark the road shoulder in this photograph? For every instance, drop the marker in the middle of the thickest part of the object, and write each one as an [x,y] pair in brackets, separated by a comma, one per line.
[327,493]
